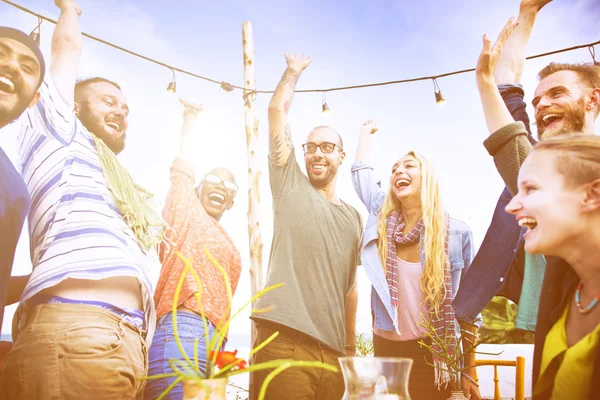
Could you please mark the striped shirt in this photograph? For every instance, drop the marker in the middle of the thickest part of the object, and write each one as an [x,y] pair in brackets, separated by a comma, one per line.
[76,230]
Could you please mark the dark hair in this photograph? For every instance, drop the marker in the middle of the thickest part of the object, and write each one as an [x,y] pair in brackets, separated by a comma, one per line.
[82,83]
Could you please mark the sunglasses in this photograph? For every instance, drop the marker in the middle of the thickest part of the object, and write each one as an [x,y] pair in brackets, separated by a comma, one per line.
[215,180]
[325,147]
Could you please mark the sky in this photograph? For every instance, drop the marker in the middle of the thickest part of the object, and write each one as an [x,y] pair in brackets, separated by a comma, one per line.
[353,42]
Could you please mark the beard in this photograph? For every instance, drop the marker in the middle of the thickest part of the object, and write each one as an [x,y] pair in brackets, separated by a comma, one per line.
[116,145]
[10,113]
[322,180]
[96,125]
[573,120]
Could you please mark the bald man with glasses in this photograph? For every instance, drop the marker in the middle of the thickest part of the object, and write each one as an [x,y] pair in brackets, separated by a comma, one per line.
[315,252]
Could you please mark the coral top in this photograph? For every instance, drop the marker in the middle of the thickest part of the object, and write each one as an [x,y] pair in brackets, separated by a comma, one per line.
[190,230]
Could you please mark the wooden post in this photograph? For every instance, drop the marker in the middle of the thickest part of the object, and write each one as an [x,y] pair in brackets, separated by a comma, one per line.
[256,245]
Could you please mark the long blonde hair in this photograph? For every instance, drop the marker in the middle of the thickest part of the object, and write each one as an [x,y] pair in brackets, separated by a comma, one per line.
[434,221]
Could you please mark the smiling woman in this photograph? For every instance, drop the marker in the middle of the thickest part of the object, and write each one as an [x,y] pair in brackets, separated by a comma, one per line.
[559,204]
[193,216]
[415,256]
[216,191]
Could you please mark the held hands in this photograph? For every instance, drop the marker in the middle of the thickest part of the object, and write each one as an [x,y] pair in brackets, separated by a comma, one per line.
[488,59]
[368,128]
[66,4]
[297,63]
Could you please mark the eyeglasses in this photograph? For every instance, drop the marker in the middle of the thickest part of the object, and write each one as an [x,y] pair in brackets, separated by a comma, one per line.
[325,147]
[215,180]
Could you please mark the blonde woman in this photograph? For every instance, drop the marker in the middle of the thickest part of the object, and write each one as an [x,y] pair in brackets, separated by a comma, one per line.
[414,255]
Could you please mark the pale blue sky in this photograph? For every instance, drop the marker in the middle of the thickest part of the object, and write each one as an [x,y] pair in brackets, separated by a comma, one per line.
[351,43]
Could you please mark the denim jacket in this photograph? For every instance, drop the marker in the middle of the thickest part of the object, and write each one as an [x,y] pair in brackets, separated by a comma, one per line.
[372,195]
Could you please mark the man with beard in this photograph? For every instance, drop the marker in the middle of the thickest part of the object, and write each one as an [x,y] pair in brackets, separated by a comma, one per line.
[315,252]
[86,313]
[22,70]
[566,101]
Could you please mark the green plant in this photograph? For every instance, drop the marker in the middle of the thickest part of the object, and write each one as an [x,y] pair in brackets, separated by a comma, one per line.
[453,360]
[364,345]
[222,364]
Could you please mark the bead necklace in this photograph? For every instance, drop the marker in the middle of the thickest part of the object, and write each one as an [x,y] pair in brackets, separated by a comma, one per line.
[590,307]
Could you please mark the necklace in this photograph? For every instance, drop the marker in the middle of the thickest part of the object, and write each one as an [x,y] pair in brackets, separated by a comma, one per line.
[590,307]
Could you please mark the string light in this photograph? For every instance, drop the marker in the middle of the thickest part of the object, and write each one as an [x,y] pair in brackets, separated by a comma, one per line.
[439,98]
[592,51]
[172,88]
[325,110]
[35,33]
[227,86]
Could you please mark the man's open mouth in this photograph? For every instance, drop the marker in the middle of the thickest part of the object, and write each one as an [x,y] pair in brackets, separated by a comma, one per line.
[7,85]
[551,119]
[114,125]
[318,166]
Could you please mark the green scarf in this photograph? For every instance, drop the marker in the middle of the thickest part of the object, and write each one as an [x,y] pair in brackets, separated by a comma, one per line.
[132,200]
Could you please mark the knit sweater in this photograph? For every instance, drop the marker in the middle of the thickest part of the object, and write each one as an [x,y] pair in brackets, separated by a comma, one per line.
[509,146]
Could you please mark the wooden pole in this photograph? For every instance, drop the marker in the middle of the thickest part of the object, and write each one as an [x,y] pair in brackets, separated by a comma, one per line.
[256,245]
[255,241]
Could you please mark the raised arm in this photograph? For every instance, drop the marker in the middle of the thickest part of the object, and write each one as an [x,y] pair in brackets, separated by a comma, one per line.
[66,48]
[365,184]
[280,136]
[508,142]
[363,150]
[190,114]
[495,111]
[512,59]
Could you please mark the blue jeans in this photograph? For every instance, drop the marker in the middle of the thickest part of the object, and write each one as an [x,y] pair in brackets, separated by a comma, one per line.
[164,347]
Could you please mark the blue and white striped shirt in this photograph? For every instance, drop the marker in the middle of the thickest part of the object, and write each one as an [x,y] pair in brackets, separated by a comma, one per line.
[76,230]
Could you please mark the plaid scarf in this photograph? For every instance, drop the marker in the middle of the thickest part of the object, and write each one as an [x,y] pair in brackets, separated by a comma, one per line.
[443,322]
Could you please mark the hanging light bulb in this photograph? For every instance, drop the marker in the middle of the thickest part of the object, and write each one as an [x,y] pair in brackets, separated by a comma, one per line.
[439,98]
[172,88]
[325,110]
[35,33]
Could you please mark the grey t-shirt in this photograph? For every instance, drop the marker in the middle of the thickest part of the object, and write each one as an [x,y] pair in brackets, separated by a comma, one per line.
[315,252]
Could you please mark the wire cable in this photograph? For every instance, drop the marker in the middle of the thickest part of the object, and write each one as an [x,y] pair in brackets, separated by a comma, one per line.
[229,87]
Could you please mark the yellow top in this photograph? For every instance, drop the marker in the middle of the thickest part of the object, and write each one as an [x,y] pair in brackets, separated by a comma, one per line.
[574,376]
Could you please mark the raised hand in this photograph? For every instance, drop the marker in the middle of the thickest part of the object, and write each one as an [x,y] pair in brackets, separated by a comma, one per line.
[296,62]
[65,4]
[488,59]
[369,127]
